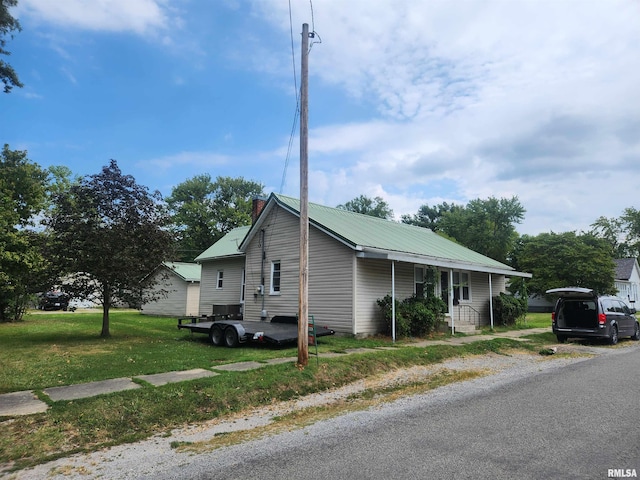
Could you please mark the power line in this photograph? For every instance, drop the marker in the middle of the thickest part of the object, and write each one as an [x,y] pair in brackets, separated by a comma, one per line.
[296,115]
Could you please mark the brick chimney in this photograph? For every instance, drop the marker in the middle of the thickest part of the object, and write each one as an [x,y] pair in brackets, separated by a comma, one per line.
[256,208]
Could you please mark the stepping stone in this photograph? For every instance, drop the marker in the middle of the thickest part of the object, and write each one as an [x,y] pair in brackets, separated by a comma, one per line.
[85,390]
[21,403]
[277,361]
[239,367]
[159,379]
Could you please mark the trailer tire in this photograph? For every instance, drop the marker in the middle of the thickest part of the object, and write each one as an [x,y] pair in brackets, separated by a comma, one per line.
[231,338]
[216,336]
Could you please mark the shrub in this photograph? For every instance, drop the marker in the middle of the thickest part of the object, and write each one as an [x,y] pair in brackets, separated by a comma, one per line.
[415,316]
[507,309]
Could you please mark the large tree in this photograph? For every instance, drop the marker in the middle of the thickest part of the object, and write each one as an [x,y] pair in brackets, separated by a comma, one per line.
[565,260]
[430,217]
[22,195]
[486,226]
[202,211]
[8,25]
[622,233]
[108,234]
[375,207]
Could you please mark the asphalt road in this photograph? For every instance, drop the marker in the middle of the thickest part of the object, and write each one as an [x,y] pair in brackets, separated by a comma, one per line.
[574,422]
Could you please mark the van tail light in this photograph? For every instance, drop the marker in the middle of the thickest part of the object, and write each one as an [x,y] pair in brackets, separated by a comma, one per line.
[553,317]
[602,318]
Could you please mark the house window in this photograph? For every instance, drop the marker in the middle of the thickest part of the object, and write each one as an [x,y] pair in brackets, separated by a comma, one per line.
[461,287]
[242,286]
[419,281]
[219,279]
[275,277]
[425,280]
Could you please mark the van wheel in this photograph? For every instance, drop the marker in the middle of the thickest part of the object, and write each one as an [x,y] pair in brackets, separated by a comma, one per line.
[561,338]
[231,337]
[636,333]
[613,339]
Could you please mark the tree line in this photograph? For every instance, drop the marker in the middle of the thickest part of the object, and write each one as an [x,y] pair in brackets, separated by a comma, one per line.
[102,235]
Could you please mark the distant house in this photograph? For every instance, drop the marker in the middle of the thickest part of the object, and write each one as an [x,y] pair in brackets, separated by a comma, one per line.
[181,283]
[354,260]
[627,280]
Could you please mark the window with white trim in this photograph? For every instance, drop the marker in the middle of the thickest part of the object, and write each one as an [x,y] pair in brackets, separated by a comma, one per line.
[275,277]
[219,277]
[418,278]
[242,286]
[461,286]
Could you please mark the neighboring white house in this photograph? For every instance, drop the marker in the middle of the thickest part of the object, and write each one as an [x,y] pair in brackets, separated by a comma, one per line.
[354,260]
[181,283]
[627,280]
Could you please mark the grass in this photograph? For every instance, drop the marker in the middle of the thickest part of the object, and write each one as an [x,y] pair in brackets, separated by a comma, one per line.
[531,320]
[65,348]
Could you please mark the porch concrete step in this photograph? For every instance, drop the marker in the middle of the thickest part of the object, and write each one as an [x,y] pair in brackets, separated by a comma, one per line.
[466,328]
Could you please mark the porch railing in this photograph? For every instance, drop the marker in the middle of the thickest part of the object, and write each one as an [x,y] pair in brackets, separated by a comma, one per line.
[467,314]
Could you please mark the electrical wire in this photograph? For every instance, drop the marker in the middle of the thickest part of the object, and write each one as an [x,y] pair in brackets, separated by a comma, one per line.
[296,115]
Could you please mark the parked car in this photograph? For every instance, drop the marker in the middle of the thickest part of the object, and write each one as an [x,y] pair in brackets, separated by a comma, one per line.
[580,312]
[54,300]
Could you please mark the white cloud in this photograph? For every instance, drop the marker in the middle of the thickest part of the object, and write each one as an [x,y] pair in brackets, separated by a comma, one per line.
[138,16]
[493,98]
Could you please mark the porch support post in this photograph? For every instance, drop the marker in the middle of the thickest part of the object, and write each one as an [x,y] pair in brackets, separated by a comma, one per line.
[491,301]
[393,301]
[453,327]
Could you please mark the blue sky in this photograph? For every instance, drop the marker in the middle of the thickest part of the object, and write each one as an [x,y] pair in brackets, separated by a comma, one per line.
[416,102]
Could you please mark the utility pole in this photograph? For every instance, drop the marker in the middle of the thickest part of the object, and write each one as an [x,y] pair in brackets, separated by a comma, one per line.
[303,296]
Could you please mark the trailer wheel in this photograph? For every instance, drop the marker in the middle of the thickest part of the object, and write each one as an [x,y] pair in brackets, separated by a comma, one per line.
[231,337]
[215,335]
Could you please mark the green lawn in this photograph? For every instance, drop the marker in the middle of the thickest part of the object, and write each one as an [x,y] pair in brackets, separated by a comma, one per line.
[52,349]
[63,348]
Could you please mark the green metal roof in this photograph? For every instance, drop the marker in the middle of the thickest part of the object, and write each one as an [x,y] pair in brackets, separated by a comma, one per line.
[189,272]
[227,246]
[393,239]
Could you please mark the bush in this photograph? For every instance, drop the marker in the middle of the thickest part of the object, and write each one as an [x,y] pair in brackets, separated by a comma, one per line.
[415,316]
[507,309]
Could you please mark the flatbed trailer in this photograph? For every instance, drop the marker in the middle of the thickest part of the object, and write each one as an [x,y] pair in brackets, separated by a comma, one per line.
[281,330]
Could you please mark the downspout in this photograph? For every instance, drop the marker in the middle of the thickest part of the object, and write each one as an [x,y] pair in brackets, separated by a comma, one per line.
[393,301]
[491,301]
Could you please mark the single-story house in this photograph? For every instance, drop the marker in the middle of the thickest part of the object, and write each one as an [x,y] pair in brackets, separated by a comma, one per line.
[180,282]
[627,280]
[354,260]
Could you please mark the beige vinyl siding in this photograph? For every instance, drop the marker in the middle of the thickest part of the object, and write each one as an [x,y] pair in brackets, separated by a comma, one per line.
[330,267]
[281,235]
[330,282]
[231,283]
[174,304]
[374,282]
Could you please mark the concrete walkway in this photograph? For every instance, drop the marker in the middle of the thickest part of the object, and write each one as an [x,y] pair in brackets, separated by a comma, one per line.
[27,403]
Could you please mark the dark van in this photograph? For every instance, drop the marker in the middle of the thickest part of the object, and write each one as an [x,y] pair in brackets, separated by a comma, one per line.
[579,312]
